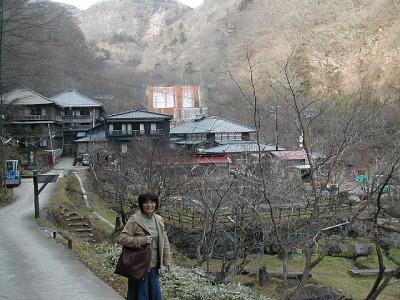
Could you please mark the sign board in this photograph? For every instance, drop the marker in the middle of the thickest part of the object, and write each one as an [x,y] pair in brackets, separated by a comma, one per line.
[11,175]
[47,178]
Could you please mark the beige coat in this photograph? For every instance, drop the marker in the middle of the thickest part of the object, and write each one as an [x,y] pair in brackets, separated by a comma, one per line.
[134,235]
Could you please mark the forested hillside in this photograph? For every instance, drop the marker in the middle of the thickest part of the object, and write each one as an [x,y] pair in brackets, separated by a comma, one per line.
[115,48]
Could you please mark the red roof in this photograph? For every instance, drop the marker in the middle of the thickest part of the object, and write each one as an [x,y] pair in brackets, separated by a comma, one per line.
[290,155]
[209,160]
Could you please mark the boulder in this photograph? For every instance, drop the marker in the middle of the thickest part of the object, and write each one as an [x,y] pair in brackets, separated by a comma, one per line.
[342,249]
[263,277]
[363,249]
[353,198]
[314,292]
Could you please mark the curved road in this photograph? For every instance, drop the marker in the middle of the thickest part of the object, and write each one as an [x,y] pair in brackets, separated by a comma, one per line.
[35,267]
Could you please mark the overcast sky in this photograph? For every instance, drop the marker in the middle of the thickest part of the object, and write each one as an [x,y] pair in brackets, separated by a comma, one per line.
[84,4]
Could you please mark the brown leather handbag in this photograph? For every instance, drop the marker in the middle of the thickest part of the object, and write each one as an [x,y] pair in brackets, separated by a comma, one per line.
[134,262]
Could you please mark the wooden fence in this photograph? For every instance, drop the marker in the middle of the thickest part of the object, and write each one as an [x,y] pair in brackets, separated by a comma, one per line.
[193,217]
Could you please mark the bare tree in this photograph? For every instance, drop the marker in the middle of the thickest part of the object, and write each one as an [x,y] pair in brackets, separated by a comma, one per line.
[148,165]
[23,28]
[328,126]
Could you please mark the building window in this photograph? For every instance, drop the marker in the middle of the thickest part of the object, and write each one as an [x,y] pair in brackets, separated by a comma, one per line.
[228,136]
[36,111]
[84,112]
[187,98]
[117,126]
[164,98]
[124,148]
[197,136]
[43,143]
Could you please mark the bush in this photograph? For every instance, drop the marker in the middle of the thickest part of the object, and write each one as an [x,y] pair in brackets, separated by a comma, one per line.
[191,284]
[109,254]
[181,283]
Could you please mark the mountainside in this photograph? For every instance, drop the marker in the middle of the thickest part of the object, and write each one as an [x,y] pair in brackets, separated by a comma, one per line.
[43,48]
[340,43]
[122,30]
[116,48]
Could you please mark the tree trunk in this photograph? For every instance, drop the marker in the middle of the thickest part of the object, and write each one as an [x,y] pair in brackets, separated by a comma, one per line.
[285,273]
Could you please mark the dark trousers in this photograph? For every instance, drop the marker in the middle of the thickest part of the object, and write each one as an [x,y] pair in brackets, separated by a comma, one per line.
[149,289]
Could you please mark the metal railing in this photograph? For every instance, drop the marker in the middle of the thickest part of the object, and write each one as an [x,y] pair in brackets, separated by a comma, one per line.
[126,132]
[77,117]
[31,117]
[36,118]
[156,132]
[76,128]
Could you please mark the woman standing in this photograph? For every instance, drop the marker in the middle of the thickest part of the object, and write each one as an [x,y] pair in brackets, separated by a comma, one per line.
[142,229]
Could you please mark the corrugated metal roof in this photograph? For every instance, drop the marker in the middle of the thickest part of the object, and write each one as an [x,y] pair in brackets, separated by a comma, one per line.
[207,160]
[190,142]
[75,99]
[96,136]
[290,155]
[210,125]
[212,160]
[24,96]
[240,148]
[138,114]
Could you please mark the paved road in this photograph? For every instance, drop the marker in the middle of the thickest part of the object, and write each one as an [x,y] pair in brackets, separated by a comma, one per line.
[35,267]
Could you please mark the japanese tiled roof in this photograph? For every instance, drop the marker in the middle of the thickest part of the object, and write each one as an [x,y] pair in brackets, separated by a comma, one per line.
[24,96]
[242,147]
[290,155]
[138,115]
[96,136]
[75,99]
[211,124]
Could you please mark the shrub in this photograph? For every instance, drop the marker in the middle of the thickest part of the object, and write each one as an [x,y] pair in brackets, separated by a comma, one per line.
[191,284]
[109,254]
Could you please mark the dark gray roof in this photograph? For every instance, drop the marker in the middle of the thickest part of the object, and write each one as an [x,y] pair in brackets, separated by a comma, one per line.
[210,125]
[95,136]
[74,99]
[24,96]
[189,142]
[241,147]
[138,115]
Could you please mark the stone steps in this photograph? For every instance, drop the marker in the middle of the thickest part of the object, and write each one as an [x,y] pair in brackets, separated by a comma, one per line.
[78,225]
[84,229]
[74,218]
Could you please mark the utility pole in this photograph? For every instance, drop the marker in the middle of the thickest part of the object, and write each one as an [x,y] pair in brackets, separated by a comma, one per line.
[53,161]
[275,112]
[276,127]
[2,110]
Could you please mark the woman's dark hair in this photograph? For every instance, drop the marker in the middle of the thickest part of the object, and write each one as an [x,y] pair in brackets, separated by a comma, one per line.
[145,197]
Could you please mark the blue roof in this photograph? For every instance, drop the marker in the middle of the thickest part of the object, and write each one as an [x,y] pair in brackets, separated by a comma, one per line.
[75,99]
[242,147]
[25,96]
[211,124]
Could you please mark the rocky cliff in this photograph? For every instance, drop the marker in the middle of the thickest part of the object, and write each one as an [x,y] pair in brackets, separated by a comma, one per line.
[340,42]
